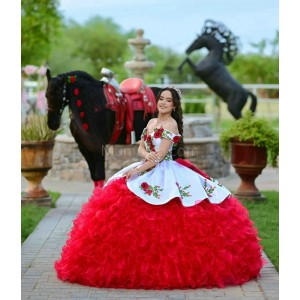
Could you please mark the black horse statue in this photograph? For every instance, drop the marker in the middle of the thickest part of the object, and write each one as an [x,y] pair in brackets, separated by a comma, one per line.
[101,112]
[222,47]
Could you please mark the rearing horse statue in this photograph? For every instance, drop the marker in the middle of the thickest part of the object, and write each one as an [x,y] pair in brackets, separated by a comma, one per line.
[222,47]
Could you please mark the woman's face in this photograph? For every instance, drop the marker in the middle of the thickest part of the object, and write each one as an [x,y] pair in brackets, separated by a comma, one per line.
[165,103]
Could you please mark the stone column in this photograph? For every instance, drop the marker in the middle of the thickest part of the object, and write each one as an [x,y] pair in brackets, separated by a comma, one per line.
[139,65]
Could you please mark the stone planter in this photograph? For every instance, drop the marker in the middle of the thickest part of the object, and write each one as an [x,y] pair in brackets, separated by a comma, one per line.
[36,161]
[248,161]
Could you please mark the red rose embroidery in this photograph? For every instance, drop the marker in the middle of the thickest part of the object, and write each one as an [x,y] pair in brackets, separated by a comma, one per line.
[145,185]
[76,92]
[78,103]
[85,126]
[158,133]
[145,137]
[151,190]
[176,139]
[81,114]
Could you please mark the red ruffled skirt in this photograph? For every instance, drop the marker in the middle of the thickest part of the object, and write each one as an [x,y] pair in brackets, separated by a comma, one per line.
[120,241]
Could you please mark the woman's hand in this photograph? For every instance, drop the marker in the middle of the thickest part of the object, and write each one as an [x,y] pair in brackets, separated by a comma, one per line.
[131,172]
[152,156]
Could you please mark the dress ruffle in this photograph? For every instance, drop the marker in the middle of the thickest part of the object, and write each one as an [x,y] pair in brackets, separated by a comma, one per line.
[120,241]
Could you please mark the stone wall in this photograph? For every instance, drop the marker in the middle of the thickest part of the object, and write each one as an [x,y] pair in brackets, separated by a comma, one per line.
[206,154]
[69,164]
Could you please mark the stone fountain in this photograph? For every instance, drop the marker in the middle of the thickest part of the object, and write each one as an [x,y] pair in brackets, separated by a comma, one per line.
[139,65]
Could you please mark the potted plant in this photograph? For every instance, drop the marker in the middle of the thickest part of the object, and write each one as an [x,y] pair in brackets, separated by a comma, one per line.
[252,143]
[37,143]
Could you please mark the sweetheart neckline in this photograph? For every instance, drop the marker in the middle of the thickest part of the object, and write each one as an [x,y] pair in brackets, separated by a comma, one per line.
[164,129]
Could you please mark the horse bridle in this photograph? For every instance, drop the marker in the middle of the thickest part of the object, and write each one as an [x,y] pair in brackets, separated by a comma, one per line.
[64,102]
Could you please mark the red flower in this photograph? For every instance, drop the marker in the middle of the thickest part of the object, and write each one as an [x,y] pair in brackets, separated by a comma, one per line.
[76,92]
[78,103]
[81,114]
[148,192]
[145,185]
[149,139]
[157,134]
[85,126]
[72,79]
[145,137]
[176,139]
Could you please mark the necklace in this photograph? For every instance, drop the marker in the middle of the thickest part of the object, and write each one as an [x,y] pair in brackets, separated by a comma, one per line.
[160,121]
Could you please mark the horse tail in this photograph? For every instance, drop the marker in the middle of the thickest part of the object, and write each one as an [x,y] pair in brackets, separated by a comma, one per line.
[253,102]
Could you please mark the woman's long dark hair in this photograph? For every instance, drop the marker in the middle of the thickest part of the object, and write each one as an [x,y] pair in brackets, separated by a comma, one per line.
[178,150]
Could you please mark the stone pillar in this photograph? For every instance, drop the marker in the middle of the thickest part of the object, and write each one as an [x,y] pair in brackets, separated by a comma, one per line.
[139,65]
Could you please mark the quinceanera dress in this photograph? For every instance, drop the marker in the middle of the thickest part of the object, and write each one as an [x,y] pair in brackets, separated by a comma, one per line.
[171,227]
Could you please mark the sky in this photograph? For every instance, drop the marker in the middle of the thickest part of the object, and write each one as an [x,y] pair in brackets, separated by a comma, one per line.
[175,24]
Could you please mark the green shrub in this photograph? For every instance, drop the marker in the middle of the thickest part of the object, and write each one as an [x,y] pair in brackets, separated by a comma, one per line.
[251,128]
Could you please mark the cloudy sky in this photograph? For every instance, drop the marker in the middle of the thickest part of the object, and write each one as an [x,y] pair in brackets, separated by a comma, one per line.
[175,24]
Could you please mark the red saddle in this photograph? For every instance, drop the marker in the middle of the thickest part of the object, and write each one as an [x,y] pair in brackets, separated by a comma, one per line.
[134,96]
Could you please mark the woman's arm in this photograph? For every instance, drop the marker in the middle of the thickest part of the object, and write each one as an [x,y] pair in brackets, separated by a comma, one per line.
[149,156]
[160,154]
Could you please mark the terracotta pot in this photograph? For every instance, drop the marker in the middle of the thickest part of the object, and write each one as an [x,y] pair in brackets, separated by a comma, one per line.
[248,161]
[36,161]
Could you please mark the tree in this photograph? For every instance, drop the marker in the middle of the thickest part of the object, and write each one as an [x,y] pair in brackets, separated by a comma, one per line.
[90,47]
[255,68]
[166,65]
[40,23]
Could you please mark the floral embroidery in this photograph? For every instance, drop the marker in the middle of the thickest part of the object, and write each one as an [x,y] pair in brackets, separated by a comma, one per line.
[149,143]
[168,156]
[182,191]
[216,181]
[149,189]
[144,135]
[176,139]
[167,134]
[209,190]
[158,132]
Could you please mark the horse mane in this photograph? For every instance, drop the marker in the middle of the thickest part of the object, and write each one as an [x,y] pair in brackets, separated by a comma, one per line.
[225,37]
[92,101]
[79,74]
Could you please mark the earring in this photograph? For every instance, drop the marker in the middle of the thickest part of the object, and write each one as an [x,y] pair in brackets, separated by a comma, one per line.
[174,109]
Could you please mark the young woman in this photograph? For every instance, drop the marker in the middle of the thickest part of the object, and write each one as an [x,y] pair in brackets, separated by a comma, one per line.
[161,223]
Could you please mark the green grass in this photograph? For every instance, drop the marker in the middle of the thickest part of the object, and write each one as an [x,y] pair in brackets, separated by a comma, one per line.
[32,214]
[265,215]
